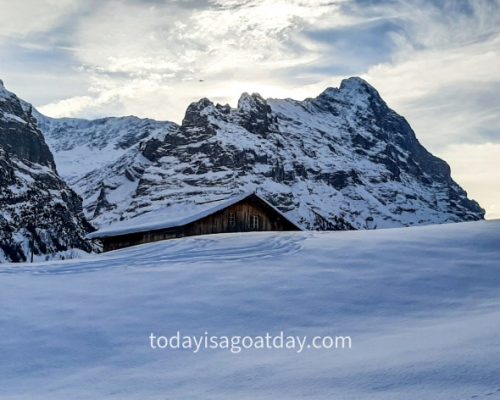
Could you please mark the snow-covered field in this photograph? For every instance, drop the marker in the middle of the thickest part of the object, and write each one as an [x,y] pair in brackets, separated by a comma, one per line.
[422,306]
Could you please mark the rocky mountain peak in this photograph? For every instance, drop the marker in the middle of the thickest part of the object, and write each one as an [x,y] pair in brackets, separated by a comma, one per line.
[354,92]
[197,112]
[249,102]
[4,93]
[355,83]
[19,135]
[39,214]
[255,114]
[203,105]
[342,160]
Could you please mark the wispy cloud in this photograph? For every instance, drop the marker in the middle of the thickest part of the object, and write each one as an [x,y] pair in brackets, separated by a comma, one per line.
[20,19]
[172,55]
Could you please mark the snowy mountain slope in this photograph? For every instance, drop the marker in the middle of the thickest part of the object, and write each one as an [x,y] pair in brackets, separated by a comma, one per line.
[36,206]
[80,146]
[341,159]
[421,306]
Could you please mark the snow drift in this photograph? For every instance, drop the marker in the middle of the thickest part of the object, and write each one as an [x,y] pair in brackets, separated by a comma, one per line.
[422,306]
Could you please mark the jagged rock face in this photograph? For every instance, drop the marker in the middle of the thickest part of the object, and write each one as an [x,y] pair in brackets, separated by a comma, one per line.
[342,160]
[256,115]
[38,211]
[18,134]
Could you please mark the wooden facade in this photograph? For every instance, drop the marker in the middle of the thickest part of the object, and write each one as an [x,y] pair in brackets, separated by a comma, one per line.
[250,214]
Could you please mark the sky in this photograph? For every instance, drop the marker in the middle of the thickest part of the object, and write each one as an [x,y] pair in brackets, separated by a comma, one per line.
[436,62]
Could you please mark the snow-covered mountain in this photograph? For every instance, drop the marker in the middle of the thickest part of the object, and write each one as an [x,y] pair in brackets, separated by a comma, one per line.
[80,146]
[38,211]
[343,159]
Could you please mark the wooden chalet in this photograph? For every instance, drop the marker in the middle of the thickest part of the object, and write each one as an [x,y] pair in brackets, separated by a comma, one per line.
[243,213]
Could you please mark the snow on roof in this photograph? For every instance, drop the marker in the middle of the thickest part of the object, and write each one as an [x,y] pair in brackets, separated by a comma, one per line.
[171,217]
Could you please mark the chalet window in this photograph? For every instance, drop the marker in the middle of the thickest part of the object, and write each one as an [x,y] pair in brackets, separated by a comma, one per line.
[232,219]
[254,222]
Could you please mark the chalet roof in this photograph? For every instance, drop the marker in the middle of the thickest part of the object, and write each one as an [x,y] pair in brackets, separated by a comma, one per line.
[174,216]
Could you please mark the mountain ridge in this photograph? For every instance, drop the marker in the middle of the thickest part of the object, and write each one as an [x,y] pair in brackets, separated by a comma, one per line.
[40,215]
[343,158]
[82,145]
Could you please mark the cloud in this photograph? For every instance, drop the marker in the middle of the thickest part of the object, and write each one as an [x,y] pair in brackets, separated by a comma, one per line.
[476,167]
[444,76]
[23,18]
[436,51]
[74,106]
[449,95]
[172,55]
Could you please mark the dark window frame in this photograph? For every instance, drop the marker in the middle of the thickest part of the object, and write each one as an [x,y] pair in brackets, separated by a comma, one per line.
[254,222]
[231,219]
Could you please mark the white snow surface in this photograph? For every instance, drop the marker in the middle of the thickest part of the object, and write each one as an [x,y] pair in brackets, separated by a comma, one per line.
[421,304]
